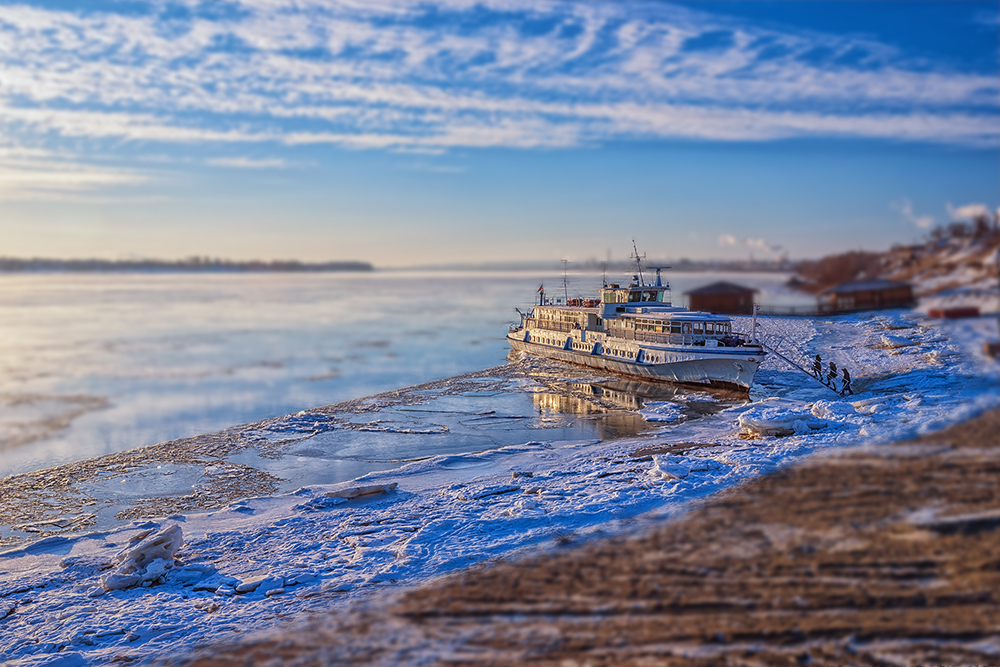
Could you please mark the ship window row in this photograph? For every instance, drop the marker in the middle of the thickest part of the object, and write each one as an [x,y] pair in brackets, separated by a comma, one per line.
[697,328]
[636,296]
[572,318]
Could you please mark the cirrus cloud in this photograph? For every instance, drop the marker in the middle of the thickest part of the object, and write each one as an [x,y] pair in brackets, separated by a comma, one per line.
[434,76]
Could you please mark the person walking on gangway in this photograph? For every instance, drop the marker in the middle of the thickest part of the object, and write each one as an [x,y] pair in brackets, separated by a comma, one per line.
[845,388]
[831,377]
[818,368]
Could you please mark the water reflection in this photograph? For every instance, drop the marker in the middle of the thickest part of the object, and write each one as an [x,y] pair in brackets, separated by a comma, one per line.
[102,363]
[585,398]
[529,400]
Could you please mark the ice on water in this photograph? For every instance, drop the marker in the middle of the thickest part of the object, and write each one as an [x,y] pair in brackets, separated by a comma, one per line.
[542,481]
[118,361]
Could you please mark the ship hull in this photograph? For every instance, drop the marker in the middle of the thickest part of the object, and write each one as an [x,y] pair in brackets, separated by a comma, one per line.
[732,368]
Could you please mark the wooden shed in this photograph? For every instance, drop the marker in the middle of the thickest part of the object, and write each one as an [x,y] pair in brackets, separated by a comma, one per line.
[722,297]
[867,295]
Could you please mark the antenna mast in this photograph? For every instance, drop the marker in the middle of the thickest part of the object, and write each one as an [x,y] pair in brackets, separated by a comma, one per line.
[659,280]
[565,284]
[638,262]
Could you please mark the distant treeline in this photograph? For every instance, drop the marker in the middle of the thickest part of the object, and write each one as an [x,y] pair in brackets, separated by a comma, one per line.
[841,268]
[614,267]
[203,264]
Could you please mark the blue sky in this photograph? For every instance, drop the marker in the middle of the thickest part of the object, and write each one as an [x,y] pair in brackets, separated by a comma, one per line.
[408,133]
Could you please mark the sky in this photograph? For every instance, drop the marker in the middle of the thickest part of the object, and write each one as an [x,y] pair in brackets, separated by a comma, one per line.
[453,131]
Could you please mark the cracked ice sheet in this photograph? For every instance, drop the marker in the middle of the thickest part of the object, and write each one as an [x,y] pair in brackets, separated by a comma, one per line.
[450,511]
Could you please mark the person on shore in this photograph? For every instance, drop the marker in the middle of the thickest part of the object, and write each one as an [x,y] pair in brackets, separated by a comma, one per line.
[831,377]
[818,368]
[845,388]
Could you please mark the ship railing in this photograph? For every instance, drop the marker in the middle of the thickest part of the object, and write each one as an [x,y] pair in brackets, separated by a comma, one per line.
[549,325]
[662,338]
[732,340]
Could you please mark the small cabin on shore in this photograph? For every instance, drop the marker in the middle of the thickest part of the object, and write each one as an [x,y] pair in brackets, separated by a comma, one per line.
[722,297]
[867,295]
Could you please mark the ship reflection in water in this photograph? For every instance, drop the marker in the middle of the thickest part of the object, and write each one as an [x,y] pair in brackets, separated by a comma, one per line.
[561,403]
[614,407]
[605,424]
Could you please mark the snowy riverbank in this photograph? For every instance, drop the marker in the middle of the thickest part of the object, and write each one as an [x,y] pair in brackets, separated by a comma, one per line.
[289,553]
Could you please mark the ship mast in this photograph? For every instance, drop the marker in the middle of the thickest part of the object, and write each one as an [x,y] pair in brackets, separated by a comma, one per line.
[638,262]
[565,283]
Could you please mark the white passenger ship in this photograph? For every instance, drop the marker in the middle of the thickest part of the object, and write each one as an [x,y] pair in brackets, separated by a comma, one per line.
[635,331]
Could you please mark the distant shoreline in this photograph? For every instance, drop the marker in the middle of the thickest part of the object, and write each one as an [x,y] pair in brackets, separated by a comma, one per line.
[209,265]
[612,267]
[193,265]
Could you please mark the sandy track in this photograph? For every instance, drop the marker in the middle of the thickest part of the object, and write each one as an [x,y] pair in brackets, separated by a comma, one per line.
[882,555]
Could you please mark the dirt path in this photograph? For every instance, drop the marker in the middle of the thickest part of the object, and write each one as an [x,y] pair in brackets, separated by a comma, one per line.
[887,555]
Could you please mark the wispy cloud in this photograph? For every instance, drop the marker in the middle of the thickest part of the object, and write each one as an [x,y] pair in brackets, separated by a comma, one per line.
[761,244]
[905,207]
[432,76]
[989,18]
[758,243]
[249,163]
[433,168]
[35,174]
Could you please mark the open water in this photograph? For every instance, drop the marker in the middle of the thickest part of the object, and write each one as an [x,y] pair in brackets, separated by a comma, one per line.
[97,363]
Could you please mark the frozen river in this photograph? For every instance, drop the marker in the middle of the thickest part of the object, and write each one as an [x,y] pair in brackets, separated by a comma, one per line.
[92,364]
[285,509]
[330,507]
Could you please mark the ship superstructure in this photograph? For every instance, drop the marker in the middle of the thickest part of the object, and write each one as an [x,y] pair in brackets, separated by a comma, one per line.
[635,330]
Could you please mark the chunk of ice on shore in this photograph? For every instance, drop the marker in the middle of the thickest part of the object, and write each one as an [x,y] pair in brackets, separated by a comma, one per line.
[362,491]
[672,466]
[664,411]
[832,409]
[895,341]
[778,421]
[146,560]
[190,574]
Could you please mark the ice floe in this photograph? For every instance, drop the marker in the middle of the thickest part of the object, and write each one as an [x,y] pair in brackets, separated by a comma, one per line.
[657,411]
[895,341]
[778,420]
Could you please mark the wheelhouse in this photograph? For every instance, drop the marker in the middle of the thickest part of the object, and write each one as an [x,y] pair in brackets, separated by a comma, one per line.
[658,296]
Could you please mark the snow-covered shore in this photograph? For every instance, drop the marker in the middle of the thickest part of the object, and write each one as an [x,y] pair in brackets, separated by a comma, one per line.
[260,560]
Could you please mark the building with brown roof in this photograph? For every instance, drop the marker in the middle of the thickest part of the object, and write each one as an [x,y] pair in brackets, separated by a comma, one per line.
[722,297]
